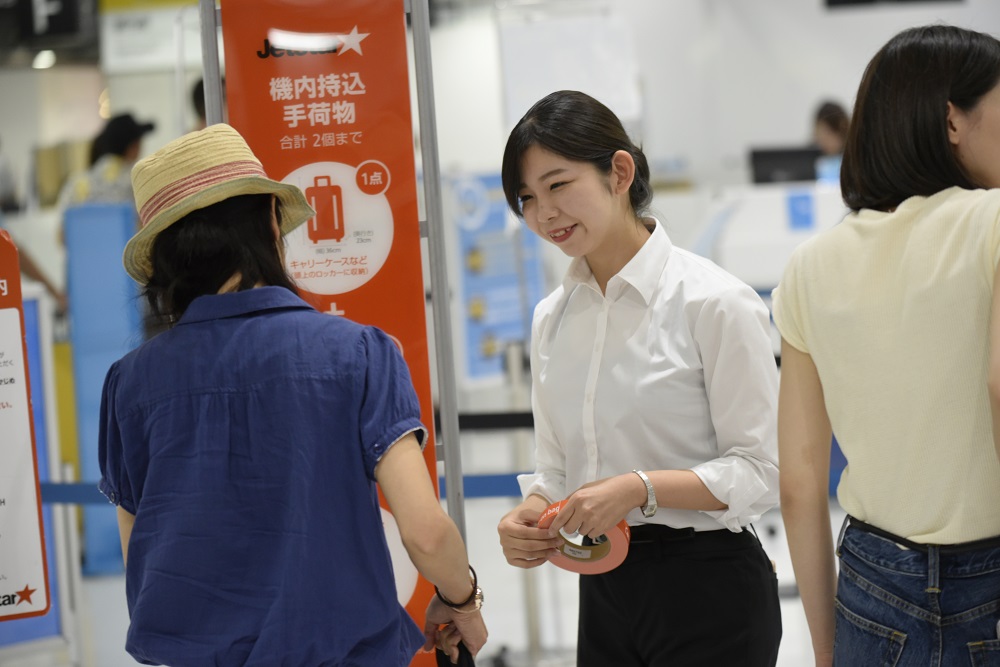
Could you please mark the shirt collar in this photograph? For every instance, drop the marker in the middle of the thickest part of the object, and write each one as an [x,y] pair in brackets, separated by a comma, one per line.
[642,271]
[236,304]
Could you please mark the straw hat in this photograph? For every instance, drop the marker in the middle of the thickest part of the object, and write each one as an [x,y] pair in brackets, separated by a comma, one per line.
[197,170]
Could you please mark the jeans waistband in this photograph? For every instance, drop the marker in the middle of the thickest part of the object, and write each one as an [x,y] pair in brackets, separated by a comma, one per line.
[961,547]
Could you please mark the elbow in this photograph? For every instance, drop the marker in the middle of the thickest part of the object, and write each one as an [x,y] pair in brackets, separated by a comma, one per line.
[428,539]
[798,497]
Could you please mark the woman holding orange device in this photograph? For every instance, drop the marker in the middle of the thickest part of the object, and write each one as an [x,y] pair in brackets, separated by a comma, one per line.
[654,398]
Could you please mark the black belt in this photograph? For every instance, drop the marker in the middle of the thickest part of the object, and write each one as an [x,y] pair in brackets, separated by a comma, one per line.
[959,548]
[651,533]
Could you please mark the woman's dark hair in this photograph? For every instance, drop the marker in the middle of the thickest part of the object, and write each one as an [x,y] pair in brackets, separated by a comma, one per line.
[200,252]
[577,127]
[898,143]
[834,117]
[98,149]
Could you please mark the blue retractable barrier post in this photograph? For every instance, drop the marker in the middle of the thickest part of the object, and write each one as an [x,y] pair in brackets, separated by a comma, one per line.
[105,324]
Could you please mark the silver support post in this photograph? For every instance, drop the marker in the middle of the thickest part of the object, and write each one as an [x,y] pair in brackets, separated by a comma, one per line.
[210,61]
[440,292]
[180,98]
[520,398]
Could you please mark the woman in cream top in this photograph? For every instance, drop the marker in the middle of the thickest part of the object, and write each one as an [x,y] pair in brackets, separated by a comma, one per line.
[887,341]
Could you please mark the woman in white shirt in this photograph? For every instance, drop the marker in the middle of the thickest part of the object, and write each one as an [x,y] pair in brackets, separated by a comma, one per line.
[648,363]
[890,323]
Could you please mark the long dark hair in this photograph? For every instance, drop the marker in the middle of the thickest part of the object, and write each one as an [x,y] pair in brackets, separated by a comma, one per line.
[200,252]
[577,127]
[898,144]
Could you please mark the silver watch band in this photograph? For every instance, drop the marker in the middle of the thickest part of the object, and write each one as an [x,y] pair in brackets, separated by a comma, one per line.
[650,507]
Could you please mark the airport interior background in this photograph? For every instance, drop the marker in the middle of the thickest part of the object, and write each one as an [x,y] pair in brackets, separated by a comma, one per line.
[721,94]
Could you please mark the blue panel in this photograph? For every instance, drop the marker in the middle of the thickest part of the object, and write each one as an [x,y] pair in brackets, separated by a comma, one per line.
[801,210]
[78,493]
[837,464]
[106,324]
[49,625]
[828,169]
[499,296]
[486,486]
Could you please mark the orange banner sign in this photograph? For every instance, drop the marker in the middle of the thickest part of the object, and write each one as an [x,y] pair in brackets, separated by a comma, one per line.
[24,582]
[320,91]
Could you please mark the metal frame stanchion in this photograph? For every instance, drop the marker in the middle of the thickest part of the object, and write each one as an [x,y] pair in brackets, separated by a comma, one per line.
[522,461]
[440,292]
[210,61]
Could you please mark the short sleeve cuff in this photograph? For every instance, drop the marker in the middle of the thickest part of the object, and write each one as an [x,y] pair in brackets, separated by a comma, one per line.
[115,497]
[788,332]
[390,437]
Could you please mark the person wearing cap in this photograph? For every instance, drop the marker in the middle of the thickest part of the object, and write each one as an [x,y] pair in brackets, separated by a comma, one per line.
[112,154]
[242,446]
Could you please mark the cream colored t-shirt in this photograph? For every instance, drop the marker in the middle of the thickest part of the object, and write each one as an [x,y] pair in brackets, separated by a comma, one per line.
[894,309]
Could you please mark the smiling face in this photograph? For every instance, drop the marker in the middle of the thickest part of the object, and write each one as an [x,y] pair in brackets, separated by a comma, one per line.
[568,203]
[975,135]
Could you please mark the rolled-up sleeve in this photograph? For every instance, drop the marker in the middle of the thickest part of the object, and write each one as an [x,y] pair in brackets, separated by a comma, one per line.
[741,380]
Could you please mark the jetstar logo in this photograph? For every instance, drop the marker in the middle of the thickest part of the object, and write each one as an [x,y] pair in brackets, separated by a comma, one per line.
[16,598]
[281,43]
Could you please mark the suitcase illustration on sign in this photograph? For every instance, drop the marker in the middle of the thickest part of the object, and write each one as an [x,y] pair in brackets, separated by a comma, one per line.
[327,200]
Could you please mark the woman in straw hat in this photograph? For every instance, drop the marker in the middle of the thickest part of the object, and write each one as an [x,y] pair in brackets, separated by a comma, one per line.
[242,445]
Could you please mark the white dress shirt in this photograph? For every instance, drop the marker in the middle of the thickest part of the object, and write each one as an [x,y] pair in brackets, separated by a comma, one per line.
[671,369]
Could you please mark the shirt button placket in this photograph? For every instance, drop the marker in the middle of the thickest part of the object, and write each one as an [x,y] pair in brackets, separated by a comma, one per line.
[590,411]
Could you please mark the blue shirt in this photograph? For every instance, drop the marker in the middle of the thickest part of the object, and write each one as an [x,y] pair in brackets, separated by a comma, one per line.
[244,440]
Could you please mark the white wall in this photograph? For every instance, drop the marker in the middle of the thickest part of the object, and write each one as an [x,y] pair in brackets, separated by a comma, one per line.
[718,76]
[468,94]
[44,108]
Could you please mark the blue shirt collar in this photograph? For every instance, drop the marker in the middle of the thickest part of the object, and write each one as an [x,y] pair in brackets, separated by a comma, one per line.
[237,304]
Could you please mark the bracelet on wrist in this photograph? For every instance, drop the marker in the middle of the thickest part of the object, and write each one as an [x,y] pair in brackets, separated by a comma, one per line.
[472,596]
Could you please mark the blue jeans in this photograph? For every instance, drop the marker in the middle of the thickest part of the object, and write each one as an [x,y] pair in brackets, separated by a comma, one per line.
[899,607]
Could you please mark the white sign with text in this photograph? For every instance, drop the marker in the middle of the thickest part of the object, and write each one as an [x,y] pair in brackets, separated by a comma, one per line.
[22,558]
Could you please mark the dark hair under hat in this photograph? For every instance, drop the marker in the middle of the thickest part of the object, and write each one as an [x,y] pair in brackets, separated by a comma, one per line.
[120,132]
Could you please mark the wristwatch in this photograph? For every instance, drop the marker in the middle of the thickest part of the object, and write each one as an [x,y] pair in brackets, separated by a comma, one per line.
[473,603]
[649,509]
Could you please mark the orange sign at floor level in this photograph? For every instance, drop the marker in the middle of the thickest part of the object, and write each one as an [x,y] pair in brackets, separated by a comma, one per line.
[320,91]
[24,584]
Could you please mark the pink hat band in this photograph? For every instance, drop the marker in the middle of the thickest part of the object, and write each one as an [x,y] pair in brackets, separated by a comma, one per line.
[194,183]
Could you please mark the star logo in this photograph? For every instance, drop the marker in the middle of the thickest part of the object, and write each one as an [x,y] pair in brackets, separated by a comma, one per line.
[352,42]
[25,595]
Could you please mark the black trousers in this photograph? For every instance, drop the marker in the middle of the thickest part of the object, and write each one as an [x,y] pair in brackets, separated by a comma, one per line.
[682,599]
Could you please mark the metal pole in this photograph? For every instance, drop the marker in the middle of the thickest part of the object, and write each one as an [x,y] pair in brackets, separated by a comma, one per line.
[210,61]
[180,98]
[440,292]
